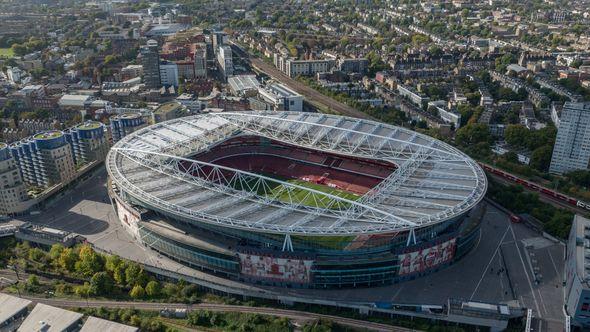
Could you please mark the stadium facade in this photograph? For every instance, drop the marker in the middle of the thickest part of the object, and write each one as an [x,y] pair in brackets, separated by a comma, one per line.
[297,199]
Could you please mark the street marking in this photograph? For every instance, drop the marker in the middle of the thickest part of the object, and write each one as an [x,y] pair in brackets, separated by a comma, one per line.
[525,273]
[553,262]
[489,263]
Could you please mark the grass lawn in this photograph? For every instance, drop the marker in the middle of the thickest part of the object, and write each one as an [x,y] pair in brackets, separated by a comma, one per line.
[6,52]
[299,195]
[279,192]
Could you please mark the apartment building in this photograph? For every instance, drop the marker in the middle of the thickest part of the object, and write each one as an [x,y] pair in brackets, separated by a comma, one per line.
[572,146]
[13,192]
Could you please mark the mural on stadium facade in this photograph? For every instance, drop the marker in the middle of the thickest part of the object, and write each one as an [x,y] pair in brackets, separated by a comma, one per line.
[284,269]
[129,218]
[427,258]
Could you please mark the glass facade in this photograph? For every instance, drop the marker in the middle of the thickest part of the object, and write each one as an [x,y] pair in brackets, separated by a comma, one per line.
[190,255]
[334,265]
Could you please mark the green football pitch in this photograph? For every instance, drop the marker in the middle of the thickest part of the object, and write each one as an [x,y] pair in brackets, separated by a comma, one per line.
[320,201]
[281,193]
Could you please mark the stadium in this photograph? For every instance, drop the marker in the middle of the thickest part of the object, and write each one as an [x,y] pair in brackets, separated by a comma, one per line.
[297,199]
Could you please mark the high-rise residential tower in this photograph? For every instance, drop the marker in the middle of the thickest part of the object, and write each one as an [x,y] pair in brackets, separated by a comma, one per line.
[572,146]
[150,59]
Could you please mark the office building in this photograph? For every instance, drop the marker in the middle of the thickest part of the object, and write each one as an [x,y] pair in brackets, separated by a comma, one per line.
[131,71]
[217,39]
[13,193]
[224,58]
[192,103]
[572,146]
[124,124]
[150,60]
[45,159]
[243,85]
[45,236]
[169,111]
[168,74]
[88,142]
[164,30]
[278,97]
[200,62]
[577,273]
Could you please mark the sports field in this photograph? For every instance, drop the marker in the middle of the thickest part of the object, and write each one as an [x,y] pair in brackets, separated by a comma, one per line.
[301,195]
[281,193]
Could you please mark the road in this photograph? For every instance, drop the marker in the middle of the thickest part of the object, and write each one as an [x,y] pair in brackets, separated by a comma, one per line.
[291,314]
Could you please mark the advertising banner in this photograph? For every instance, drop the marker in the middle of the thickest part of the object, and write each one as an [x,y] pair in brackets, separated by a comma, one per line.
[284,269]
[421,260]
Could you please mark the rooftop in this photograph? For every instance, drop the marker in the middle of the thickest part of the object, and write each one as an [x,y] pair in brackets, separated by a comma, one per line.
[48,134]
[433,182]
[241,83]
[168,107]
[10,306]
[75,97]
[55,319]
[89,125]
[282,90]
[96,324]
[128,116]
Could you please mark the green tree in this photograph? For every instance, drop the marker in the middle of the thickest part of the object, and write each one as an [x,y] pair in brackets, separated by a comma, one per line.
[83,290]
[170,290]
[37,255]
[199,318]
[19,49]
[189,291]
[112,262]
[541,158]
[473,133]
[137,292]
[135,275]
[504,61]
[55,251]
[32,282]
[579,177]
[419,39]
[67,259]
[119,274]
[516,135]
[89,263]
[152,289]
[101,283]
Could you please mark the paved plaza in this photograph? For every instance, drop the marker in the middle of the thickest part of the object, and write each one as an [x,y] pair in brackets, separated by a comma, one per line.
[509,263]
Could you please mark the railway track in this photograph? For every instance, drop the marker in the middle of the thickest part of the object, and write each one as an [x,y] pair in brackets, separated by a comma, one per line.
[309,93]
[313,96]
[291,314]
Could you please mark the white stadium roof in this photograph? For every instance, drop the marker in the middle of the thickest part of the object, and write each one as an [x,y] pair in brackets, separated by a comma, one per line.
[432,183]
